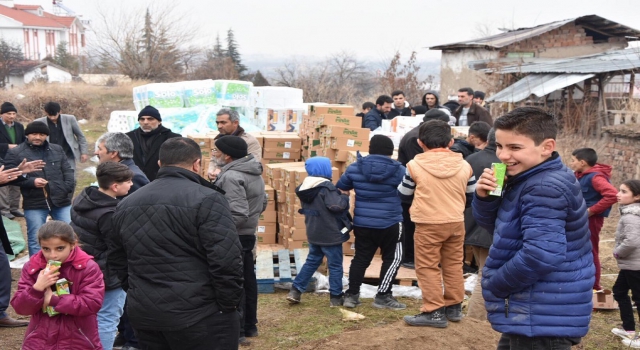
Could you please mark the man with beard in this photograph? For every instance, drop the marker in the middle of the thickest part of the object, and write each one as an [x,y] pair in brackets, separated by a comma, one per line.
[228,122]
[147,140]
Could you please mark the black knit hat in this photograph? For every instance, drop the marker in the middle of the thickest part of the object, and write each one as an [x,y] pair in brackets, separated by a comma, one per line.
[233,146]
[436,114]
[37,128]
[381,144]
[150,111]
[7,107]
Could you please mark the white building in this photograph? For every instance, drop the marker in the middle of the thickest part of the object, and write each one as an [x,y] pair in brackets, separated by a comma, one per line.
[39,32]
[43,71]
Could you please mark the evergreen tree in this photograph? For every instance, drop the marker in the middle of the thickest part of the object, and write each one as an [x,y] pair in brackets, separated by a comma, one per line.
[234,54]
[10,58]
[218,50]
[259,80]
[64,59]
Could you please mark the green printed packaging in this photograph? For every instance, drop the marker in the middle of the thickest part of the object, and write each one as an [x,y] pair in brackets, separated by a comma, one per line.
[499,172]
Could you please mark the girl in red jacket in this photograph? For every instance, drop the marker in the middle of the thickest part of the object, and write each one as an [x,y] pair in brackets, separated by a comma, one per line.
[75,326]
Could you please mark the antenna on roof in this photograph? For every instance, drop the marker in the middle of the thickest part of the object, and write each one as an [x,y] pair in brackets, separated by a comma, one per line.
[60,9]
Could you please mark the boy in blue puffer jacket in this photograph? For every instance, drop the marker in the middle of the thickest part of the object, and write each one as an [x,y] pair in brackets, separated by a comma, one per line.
[377,220]
[326,217]
[538,277]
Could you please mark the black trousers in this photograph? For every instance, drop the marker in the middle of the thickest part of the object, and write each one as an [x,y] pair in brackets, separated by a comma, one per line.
[409,228]
[216,332]
[249,304]
[5,282]
[127,331]
[520,342]
[627,280]
[368,240]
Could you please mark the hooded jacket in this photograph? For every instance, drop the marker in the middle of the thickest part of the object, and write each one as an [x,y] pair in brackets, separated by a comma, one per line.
[463,147]
[434,93]
[57,172]
[76,327]
[148,163]
[442,181]
[538,278]
[597,189]
[375,179]
[325,210]
[628,238]
[242,182]
[91,220]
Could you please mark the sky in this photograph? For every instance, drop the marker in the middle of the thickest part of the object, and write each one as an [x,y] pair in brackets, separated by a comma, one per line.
[373,30]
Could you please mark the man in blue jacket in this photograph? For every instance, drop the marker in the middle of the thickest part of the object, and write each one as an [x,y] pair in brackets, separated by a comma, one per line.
[377,220]
[538,277]
[373,119]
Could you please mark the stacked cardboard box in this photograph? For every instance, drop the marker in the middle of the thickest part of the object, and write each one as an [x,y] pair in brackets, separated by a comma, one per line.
[278,147]
[205,141]
[266,231]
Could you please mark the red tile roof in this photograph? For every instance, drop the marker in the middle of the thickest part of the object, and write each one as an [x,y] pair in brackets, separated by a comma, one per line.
[26,7]
[29,19]
[64,20]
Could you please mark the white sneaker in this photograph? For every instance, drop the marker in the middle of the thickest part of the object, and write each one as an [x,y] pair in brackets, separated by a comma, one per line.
[623,334]
[632,343]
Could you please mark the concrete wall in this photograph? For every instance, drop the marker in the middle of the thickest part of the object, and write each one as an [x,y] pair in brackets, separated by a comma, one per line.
[622,152]
[455,73]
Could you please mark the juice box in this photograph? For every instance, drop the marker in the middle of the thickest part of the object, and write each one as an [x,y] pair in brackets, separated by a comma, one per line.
[499,172]
[62,288]
[53,265]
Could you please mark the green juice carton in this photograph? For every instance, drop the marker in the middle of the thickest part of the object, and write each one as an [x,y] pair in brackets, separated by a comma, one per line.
[62,288]
[53,265]
[499,172]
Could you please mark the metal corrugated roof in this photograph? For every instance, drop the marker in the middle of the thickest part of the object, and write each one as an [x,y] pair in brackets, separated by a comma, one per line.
[538,85]
[593,22]
[611,61]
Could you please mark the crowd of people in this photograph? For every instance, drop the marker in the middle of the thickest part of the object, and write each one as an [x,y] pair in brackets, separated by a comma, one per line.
[157,257]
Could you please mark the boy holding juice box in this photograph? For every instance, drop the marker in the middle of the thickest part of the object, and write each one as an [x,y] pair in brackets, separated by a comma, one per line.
[538,276]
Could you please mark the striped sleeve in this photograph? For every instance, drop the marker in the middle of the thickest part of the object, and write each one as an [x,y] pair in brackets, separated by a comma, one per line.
[471,188]
[407,187]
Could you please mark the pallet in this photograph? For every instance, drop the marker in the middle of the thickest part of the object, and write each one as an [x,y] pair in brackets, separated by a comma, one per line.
[277,265]
[405,277]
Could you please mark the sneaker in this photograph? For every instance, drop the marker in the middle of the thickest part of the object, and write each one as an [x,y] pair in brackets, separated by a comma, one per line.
[253,332]
[243,341]
[409,265]
[632,343]
[454,312]
[351,300]
[435,319]
[119,341]
[623,334]
[387,301]
[294,296]
[335,301]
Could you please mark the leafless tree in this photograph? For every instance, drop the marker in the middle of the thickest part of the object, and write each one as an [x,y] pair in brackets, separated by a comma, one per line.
[405,77]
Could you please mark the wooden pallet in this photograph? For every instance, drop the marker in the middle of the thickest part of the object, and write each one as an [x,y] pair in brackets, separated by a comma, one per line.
[405,277]
[277,265]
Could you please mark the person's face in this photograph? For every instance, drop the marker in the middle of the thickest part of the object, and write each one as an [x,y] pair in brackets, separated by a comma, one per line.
[577,165]
[520,152]
[56,249]
[37,139]
[413,112]
[431,100]
[9,117]
[226,126]
[148,124]
[385,108]
[625,196]
[219,158]
[398,101]
[104,155]
[122,188]
[464,99]
[477,100]
[53,118]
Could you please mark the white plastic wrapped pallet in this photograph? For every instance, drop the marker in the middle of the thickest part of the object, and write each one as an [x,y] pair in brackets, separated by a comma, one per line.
[275,97]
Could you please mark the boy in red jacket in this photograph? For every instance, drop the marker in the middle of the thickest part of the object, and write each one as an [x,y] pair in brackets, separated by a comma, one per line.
[599,194]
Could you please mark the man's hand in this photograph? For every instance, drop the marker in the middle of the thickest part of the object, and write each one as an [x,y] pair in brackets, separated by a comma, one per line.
[11,145]
[84,158]
[9,174]
[29,167]
[486,183]
[589,212]
[213,174]
[40,182]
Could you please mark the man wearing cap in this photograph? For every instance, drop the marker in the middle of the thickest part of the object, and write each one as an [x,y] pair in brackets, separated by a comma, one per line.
[147,140]
[47,191]
[228,122]
[11,135]
[240,178]
[66,133]
[377,220]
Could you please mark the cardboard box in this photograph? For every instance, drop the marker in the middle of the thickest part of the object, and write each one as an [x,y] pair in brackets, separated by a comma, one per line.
[268,227]
[297,244]
[268,216]
[348,248]
[298,234]
[331,109]
[341,155]
[266,238]
[349,144]
[604,301]
[278,153]
[344,120]
[271,206]
[290,141]
[270,192]
[348,132]
[203,140]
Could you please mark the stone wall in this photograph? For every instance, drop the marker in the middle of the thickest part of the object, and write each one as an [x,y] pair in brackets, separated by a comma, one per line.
[622,152]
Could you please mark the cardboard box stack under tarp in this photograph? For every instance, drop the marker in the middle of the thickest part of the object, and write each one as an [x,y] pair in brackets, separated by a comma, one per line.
[206,143]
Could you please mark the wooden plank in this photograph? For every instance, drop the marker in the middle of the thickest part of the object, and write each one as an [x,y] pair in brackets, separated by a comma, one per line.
[300,256]
[373,271]
[264,269]
[284,265]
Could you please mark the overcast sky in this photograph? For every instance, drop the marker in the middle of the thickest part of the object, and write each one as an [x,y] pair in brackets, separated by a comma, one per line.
[372,29]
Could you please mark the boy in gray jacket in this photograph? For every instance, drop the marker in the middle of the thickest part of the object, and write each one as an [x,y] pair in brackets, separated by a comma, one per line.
[326,212]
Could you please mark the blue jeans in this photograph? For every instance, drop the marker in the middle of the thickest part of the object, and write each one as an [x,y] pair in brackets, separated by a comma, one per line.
[314,259]
[109,316]
[37,217]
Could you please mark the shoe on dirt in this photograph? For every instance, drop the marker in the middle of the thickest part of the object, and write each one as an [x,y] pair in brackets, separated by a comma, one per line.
[435,319]
[351,300]
[294,296]
[387,301]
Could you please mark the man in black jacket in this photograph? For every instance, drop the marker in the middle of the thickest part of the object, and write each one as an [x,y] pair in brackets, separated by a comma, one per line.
[373,119]
[11,135]
[177,252]
[46,192]
[399,106]
[118,147]
[147,140]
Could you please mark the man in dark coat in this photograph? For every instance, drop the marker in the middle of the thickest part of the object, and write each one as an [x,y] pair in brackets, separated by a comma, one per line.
[147,140]
[46,192]
[470,112]
[118,147]
[11,135]
[10,177]
[177,253]
[373,119]
[400,107]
